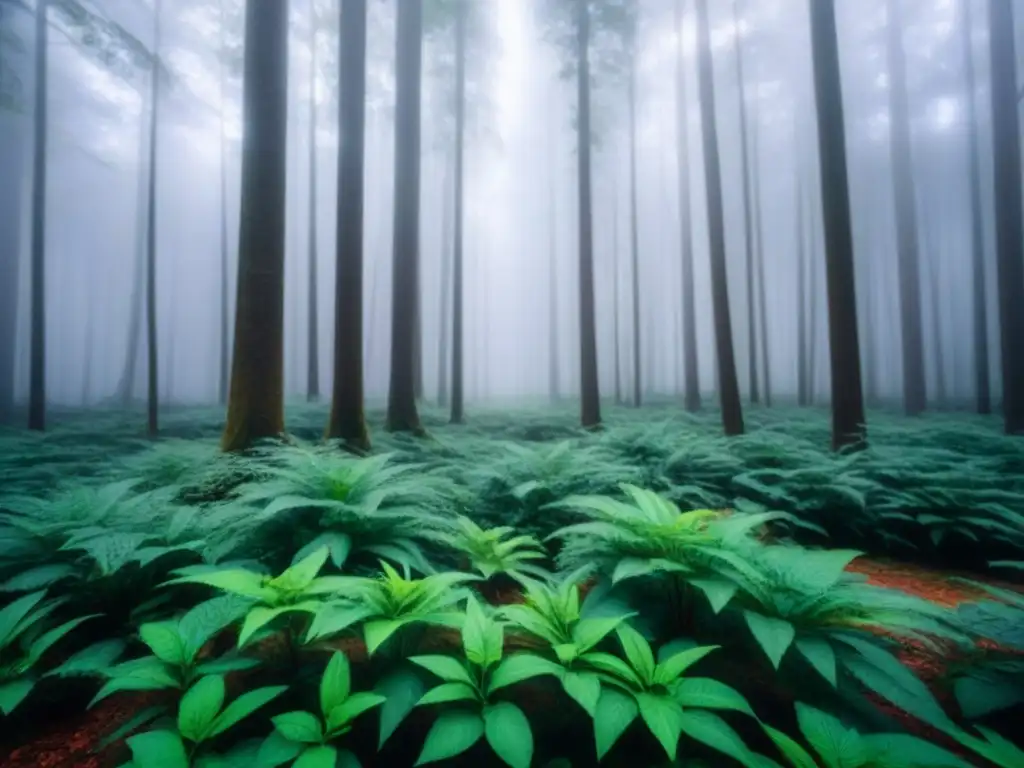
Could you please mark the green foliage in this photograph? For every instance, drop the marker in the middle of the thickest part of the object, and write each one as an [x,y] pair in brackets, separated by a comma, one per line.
[493,551]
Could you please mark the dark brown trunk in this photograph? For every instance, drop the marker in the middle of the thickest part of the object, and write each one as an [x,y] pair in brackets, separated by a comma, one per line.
[691,370]
[402,414]
[458,415]
[37,275]
[152,374]
[347,420]
[729,390]
[256,401]
[848,423]
[1009,234]
[590,395]
[312,305]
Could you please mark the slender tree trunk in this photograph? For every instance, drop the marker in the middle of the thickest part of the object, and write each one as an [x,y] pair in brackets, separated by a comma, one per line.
[814,255]
[732,410]
[615,290]
[762,301]
[914,387]
[554,360]
[801,292]
[402,413]
[982,382]
[930,219]
[347,420]
[1009,231]
[634,235]
[152,395]
[848,424]
[867,292]
[447,195]
[458,370]
[590,395]
[11,202]
[256,401]
[37,368]
[312,305]
[225,349]
[691,370]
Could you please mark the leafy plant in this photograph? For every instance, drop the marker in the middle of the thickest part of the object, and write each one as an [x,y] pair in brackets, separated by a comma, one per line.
[493,551]
[306,737]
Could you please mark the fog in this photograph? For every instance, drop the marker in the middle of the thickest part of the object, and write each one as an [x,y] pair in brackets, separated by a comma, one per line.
[521,195]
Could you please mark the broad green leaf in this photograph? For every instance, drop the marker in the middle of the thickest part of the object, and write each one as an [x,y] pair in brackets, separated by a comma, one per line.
[707,693]
[351,708]
[663,718]
[338,546]
[709,728]
[95,659]
[301,575]
[718,591]
[482,638]
[259,616]
[11,615]
[44,642]
[616,711]
[519,667]
[224,665]
[631,568]
[449,692]
[447,668]
[332,618]
[145,674]
[584,688]
[378,631]
[773,635]
[158,749]
[236,581]
[164,641]
[335,684]
[638,651]
[613,665]
[836,744]
[244,706]
[277,750]
[452,734]
[208,618]
[979,696]
[199,707]
[796,754]
[300,726]
[674,666]
[402,689]
[508,732]
[13,692]
[820,654]
[903,751]
[38,578]
[317,757]
[589,632]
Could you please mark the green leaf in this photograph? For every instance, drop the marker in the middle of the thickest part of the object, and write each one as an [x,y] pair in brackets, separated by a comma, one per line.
[708,728]
[796,754]
[584,688]
[38,578]
[244,706]
[519,667]
[707,693]
[224,665]
[613,665]
[638,651]
[589,632]
[481,637]
[820,654]
[338,546]
[836,744]
[145,674]
[402,689]
[616,711]
[303,727]
[351,708]
[378,631]
[663,718]
[164,641]
[903,751]
[718,591]
[318,757]
[158,749]
[449,692]
[199,707]
[95,659]
[445,667]
[335,684]
[631,568]
[452,734]
[508,732]
[335,617]
[44,642]
[773,635]
[277,750]
[13,692]
[236,581]
[208,618]
[11,615]
[301,575]
[672,668]
[260,616]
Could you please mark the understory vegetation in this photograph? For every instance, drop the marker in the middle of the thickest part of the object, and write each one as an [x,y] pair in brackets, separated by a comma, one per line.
[516,592]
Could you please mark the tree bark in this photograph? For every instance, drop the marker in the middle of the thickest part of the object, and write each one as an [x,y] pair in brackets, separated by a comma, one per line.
[554,360]
[225,349]
[347,420]
[256,401]
[447,196]
[634,235]
[848,423]
[402,414]
[762,300]
[732,410]
[590,395]
[1009,230]
[37,348]
[152,392]
[312,305]
[458,414]
[615,290]
[801,292]
[691,370]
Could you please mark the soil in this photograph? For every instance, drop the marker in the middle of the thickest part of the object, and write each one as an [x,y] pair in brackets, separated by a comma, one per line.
[72,742]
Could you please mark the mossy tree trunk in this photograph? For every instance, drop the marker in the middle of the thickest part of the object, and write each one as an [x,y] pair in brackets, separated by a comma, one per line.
[347,420]
[256,400]
[848,427]
[728,384]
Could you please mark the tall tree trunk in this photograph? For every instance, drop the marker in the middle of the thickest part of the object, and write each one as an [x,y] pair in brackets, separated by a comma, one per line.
[867,293]
[982,382]
[802,380]
[762,300]
[1009,233]
[914,387]
[615,290]
[225,349]
[732,411]
[691,370]
[554,360]
[634,235]
[447,198]
[931,218]
[848,427]
[152,390]
[590,395]
[37,369]
[312,305]
[748,227]
[347,420]
[12,144]
[402,413]
[458,370]
[256,401]
[814,255]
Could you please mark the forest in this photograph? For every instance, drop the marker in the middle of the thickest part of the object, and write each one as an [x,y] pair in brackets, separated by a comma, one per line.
[656,364]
